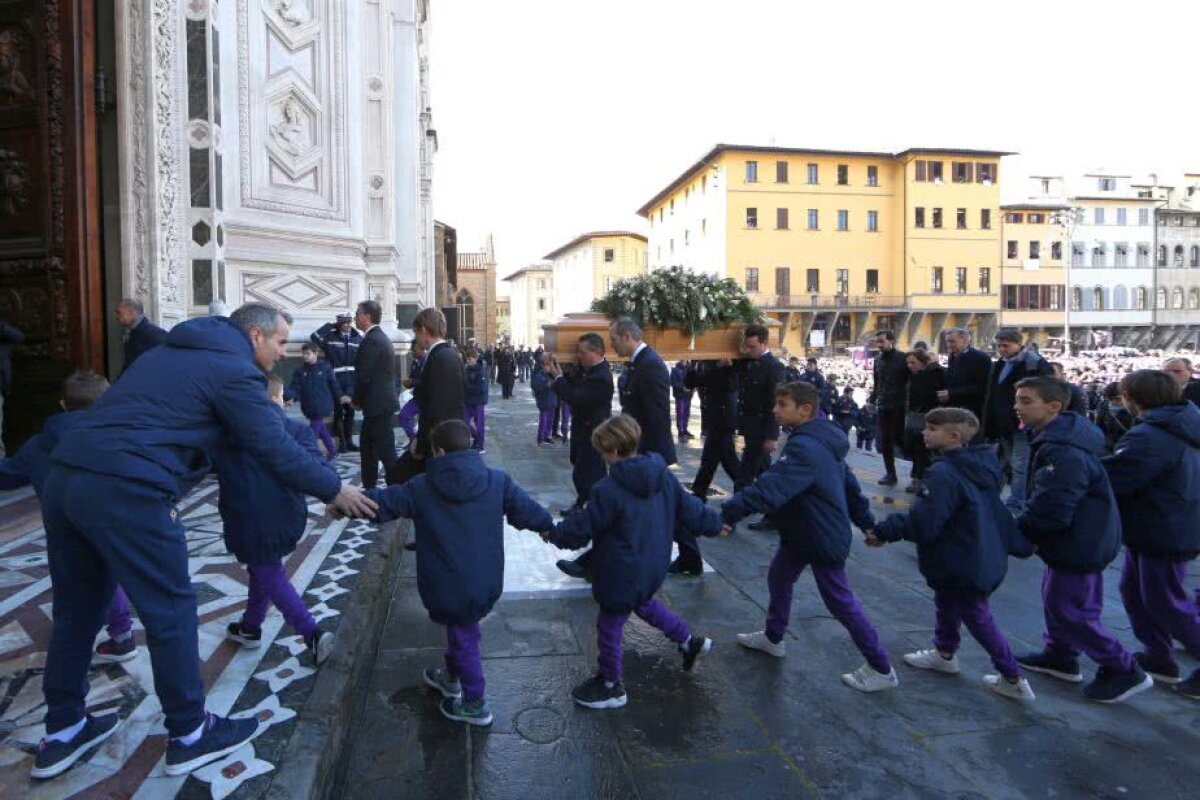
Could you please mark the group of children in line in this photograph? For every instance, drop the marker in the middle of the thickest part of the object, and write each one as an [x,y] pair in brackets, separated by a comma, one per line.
[1077,508]
[554,415]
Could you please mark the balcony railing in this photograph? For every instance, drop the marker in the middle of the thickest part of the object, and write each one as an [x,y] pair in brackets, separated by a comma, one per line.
[831,302]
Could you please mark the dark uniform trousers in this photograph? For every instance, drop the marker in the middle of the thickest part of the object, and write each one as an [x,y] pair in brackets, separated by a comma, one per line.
[377,440]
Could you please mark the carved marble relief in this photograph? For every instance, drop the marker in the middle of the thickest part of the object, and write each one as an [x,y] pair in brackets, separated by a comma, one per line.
[300,292]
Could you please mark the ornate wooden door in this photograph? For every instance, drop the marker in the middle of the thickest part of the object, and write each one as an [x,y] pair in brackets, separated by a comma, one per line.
[49,202]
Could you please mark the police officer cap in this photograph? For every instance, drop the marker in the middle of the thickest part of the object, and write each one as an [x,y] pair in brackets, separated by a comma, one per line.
[345,316]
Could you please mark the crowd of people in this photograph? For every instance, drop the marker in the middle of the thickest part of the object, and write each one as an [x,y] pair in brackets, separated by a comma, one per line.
[1096,452]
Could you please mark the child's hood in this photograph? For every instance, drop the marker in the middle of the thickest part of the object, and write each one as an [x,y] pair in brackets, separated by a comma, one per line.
[57,427]
[1074,431]
[458,477]
[978,464]
[827,434]
[1181,421]
[641,475]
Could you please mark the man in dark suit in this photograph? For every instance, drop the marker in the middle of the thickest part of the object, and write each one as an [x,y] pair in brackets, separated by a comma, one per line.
[966,375]
[645,389]
[141,335]
[759,374]
[1000,423]
[889,392]
[375,394]
[589,393]
[719,406]
[441,394]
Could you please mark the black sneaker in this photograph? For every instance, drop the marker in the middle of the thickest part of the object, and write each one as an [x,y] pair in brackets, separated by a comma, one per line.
[55,758]
[220,738]
[1190,687]
[1113,687]
[1162,673]
[247,638]
[110,651]
[697,646]
[593,693]
[1065,669]
[321,646]
[572,568]
[681,567]
[888,480]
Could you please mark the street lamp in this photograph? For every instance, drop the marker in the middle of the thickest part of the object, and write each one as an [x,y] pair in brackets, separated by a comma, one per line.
[1067,220]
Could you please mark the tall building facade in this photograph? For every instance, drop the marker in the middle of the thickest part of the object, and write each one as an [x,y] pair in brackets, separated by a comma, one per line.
[842,242]
[587,266]
[1034,266]
[475,300]
[1177,266]
[184,151]
[531,303]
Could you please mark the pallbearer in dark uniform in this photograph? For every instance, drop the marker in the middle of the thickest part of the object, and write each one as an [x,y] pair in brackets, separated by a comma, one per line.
[758,376]
[589,392]
[719,407]
[340,342]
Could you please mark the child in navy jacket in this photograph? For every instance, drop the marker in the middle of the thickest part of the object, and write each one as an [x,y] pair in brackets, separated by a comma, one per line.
[31,464]
[1155,474]
[407,416]
[963,535]
[457,507]
[845,410]
[540,383]
[630,519]
[263,521]
[315,385]
[814,496]
[475,397]
[865,426]
[1071,518]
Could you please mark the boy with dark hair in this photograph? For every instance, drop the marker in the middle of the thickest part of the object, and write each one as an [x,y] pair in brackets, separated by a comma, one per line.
[31,464]
[816,496]
[475,397]
[315,385]
[457,507]
[1071,517]
[963,535]
[1155,474]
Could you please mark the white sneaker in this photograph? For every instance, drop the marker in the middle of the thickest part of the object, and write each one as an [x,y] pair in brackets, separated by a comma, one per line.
[932,660]
[1020,690]
[866,679]
[759,641]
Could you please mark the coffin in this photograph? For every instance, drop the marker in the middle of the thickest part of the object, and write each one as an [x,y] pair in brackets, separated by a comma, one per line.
[561,337]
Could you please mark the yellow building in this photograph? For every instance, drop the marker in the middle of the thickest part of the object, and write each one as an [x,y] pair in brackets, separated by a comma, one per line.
[844,242]
[588,265]
[1033,295]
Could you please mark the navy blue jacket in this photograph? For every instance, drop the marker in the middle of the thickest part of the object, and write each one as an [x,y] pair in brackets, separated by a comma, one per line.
[845,412]
[1155,474]
[679,387]
[589,394]
[967,376]
[262,518]
[317,389]
[31,464]
[475,393]
[718,396]
[814,492]
[645,391]
[630,519]
[161,424]
[1070,512]
[961,528]
[868,420]
[458,507]
[758,378]
[142,338]
[341,351]
[540,384]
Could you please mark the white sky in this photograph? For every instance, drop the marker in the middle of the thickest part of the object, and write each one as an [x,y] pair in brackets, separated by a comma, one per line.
[556,117]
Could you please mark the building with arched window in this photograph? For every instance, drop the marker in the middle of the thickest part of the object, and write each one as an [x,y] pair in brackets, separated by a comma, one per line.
[472,315]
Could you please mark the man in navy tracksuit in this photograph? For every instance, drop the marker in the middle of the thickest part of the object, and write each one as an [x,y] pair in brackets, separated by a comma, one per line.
[1155,474]
[340,342]
[109,514]
[1071,517]
[964,535]
[457,507]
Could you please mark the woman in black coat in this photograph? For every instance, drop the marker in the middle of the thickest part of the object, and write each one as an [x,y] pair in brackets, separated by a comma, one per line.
[926,379]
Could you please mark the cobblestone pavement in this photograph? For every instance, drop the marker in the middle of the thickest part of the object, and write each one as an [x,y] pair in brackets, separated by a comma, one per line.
[271,682]
[746,725]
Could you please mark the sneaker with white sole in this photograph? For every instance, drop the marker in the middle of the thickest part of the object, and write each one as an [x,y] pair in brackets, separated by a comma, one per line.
[473,712]
[697,646]
[220,738]
[598,693]
[1110,686]
[932,660]
[55,757]
[321,646]
[1166,673]
[1065,669]
[110,651]
[251,640]
[759,641]
[1021,690]
[866,679]
[440,680]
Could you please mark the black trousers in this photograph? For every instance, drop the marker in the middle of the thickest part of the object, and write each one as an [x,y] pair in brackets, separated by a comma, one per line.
[343,423]
[754,461]
[587,470]
[891,436]
[718,451]
[377,441]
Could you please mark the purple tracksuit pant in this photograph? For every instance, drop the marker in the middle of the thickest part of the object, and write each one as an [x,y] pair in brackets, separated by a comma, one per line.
[408,418]
[1072,609]
[269,584]
[545,424]
[120,618]
[683,414]
[321,432]
[462,659]
[610,629]
[476,418]
[955,609]
[1160,608]
[838,598]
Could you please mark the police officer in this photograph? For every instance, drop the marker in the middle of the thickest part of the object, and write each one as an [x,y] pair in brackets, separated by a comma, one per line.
[340,342]
[758,376]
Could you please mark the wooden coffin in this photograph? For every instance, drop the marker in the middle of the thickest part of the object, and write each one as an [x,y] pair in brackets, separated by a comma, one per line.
[562,336]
